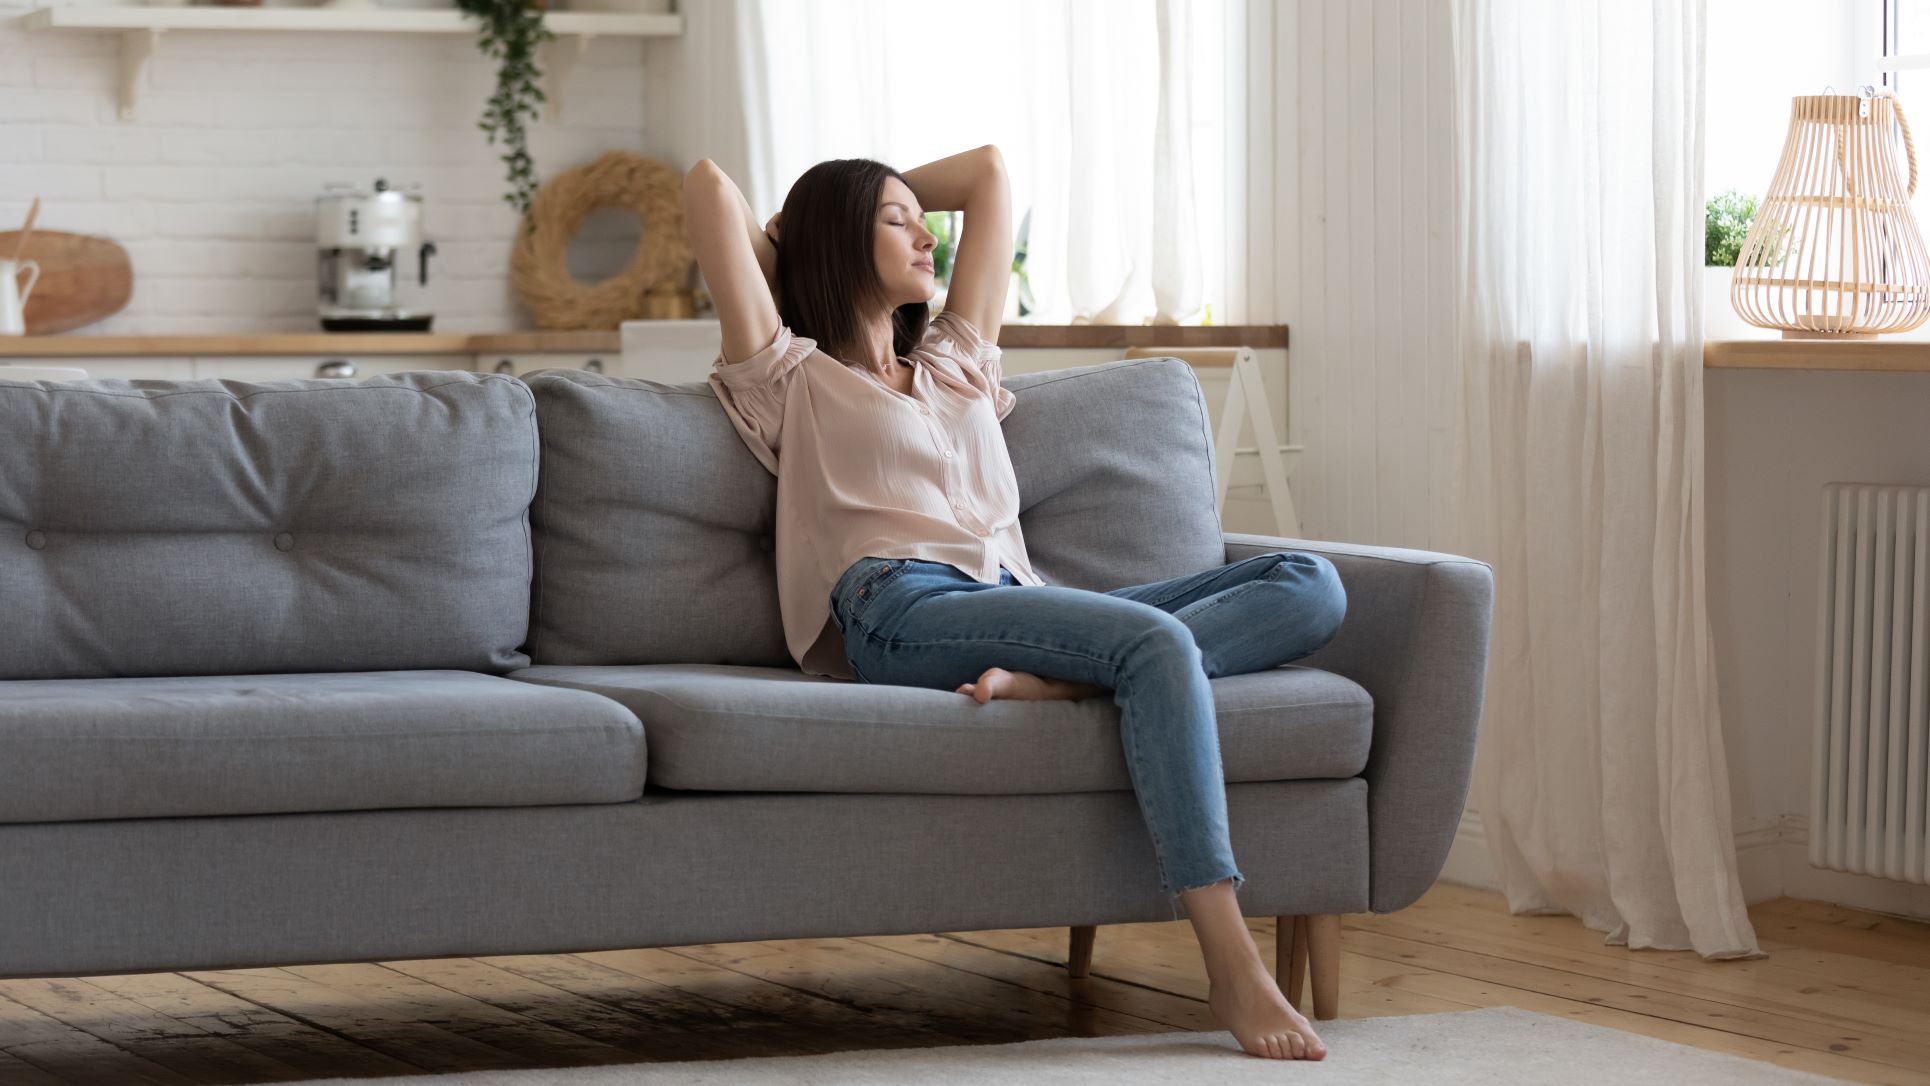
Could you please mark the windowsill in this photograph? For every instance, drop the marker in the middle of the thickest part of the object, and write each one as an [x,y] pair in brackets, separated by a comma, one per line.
[1880,355]
[1143,335]
[1731,343]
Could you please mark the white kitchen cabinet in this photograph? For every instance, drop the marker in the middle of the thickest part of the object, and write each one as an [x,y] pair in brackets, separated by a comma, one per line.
[100,369]
[346,366]
[605,362]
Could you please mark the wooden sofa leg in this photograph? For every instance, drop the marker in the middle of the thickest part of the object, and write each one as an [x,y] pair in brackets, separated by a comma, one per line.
[1079,956]
[1290,955]
[1323,953]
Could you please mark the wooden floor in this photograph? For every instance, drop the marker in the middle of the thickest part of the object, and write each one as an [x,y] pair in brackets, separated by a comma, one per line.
[1842,993]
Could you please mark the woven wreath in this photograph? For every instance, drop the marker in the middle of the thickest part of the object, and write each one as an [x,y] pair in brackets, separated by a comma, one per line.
[538,268]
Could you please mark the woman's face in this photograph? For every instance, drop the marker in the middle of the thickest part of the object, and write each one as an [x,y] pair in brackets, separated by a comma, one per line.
[903,247]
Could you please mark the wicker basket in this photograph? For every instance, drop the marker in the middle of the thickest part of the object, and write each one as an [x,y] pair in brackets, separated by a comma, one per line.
[1834,251]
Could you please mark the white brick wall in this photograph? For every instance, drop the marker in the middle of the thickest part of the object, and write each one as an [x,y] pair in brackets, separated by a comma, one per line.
[211,187]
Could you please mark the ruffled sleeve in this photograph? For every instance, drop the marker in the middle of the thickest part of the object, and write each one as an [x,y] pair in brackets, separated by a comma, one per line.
[955,339]
[753,391]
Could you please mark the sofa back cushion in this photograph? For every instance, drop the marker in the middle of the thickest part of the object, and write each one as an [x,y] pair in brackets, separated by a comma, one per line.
[654,523]
[218,527]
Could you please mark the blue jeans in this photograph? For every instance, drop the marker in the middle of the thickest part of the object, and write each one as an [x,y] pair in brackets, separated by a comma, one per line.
[908,622]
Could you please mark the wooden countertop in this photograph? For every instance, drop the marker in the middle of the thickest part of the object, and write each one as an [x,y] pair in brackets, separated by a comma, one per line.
[342,343]
[373,343]
[1888,355]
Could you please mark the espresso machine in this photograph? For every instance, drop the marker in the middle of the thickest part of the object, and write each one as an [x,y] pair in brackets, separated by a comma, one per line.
[362,234]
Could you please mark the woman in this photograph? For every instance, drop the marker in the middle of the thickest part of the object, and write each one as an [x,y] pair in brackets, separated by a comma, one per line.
[899,556]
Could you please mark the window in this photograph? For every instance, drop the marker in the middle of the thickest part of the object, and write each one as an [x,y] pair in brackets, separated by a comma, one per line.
[909,83]
[1901,31]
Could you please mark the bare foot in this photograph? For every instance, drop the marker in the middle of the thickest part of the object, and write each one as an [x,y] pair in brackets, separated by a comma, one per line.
[1247,1001]
[1000,683]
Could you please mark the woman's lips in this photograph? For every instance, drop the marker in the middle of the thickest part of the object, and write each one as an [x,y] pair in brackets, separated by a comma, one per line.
[925,264]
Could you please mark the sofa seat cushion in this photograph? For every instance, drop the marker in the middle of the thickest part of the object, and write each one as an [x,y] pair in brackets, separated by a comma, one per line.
[759,729]
[74,749]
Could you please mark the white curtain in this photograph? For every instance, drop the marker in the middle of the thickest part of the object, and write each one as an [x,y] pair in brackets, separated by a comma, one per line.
[1600,775]
[1086,99]
[703,79]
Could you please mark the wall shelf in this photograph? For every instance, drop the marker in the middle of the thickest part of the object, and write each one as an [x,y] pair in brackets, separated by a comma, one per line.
[141,28]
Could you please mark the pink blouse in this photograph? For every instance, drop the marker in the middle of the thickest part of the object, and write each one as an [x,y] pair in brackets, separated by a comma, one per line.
[865,470]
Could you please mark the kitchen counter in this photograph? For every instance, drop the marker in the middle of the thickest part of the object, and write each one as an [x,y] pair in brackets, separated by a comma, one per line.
[406,343]
[344,343]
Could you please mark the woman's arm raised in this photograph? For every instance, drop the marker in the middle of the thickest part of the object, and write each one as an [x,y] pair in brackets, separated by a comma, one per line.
[974,181]
[738,261]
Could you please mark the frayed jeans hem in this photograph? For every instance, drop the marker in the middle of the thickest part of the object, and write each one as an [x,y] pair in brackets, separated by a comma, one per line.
[1172,896]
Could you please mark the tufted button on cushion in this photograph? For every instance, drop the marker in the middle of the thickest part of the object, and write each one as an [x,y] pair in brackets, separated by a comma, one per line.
[284,542]
[36,539]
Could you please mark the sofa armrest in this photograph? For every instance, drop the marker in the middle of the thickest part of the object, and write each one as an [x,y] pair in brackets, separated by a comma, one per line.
[1416,637]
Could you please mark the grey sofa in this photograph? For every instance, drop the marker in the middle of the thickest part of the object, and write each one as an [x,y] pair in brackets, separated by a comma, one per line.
[445,663]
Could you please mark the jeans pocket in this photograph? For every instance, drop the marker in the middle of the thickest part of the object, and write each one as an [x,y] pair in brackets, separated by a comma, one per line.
[858,598]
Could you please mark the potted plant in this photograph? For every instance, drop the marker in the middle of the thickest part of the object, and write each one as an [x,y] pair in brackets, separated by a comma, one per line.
[1726,223]
[944,226]
[1726,227]
[512,31]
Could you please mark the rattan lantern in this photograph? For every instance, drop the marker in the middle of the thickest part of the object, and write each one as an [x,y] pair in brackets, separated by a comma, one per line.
[1834,252]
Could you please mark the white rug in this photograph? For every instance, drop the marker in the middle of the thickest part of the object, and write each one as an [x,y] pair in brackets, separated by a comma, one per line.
[1496,1046]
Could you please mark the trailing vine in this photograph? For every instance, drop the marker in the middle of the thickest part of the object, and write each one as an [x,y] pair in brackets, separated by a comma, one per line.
[512,30]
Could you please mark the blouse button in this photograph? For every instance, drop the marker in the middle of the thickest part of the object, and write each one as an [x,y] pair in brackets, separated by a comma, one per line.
[948,454]
[923,410]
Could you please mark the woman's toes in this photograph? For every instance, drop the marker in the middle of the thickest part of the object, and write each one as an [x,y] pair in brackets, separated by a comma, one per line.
[1271,1047]
[1313,1046]
[996,682]
[1298,1045]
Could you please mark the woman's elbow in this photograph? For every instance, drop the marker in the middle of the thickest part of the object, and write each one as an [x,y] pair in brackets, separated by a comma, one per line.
[705,170]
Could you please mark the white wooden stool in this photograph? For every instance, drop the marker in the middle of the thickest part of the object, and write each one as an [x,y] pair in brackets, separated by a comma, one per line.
[1246,397]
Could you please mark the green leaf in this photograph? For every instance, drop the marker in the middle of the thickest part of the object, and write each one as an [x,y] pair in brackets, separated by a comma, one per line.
[509,32]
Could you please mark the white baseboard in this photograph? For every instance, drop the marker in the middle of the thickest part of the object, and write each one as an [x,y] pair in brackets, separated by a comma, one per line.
[1467,862]
[1772,862]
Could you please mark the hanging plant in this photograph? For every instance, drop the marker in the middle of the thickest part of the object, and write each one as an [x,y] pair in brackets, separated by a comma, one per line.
[512,30]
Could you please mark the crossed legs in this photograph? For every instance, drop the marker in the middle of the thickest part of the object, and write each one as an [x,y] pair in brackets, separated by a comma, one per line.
[1240,992]
[1246,616]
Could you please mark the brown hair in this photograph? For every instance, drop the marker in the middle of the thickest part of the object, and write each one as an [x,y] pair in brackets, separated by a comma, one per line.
[827,274]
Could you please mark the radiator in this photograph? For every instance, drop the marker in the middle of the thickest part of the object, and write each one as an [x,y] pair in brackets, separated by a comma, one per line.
[1872,743]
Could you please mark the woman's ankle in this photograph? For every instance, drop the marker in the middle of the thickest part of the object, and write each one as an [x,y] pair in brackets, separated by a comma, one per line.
[1225,942]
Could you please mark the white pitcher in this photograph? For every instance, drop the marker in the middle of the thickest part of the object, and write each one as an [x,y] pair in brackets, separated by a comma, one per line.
[13,296]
